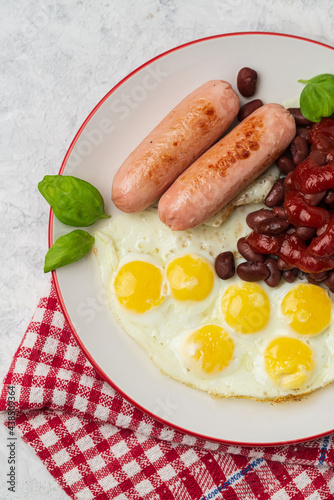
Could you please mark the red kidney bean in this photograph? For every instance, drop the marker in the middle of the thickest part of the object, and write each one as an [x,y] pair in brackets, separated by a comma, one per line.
[261,243]
[224,265]
[299,117]
[291,249]
[329,157]
[318,157]
[314,199]
[322,229]
[282,265]
[309,178]
[248,108]
[329,198]
[274,273]
[285,164]
[322,135]
[310,264]
[247,253]
[299,149]
[291,230]
[276,194]
[323,245]
[281,212]
[329,281]
[311,280]
[253,271]
[272,226]
[246,81]
[316,278]
[290,275]
[303,132]
[319,276]
[253,218]
[305,233]
[303,214]
[289,183]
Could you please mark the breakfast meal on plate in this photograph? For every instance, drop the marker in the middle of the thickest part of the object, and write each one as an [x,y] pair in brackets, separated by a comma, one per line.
[224,270]
[221,261]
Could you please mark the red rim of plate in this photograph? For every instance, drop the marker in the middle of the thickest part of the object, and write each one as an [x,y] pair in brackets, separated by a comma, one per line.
[54,274]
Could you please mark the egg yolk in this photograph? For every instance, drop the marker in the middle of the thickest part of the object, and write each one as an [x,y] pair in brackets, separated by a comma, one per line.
[289,362]
[307,308]
[246,307]
[190,277]
[138,286]
[208,350]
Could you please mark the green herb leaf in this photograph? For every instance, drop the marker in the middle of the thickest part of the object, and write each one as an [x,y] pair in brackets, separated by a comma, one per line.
[317,98]
[67,249]
[74,201]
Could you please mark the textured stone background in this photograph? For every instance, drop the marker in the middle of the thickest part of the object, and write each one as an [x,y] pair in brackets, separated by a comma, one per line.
[58,59]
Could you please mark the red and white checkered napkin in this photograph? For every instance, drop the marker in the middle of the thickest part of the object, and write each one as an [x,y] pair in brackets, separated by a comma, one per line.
[98,446]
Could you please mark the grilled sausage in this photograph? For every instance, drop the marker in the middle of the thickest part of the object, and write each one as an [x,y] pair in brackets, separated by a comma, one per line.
[227,167]
[176,142]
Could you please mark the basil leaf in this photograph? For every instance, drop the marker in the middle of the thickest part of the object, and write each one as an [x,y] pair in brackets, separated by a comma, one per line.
[74,201]
[67,249]
[317,98]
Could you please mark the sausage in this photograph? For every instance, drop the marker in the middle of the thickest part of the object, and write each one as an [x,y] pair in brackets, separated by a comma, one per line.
[179,139]
[227,167]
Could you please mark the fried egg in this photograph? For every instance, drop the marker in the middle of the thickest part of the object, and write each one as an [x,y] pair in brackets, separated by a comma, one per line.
[230,338]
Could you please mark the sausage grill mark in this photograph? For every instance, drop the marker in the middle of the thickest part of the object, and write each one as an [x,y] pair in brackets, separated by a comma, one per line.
[241,150]
[204,109]
[210,111]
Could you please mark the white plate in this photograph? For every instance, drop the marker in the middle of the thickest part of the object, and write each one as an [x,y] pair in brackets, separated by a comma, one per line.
[113,129]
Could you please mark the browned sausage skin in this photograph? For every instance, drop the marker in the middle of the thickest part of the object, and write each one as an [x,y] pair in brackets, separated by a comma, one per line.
[176,142]
[227,167]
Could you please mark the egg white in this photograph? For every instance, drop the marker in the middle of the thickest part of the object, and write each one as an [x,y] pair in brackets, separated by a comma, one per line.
[162,329]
